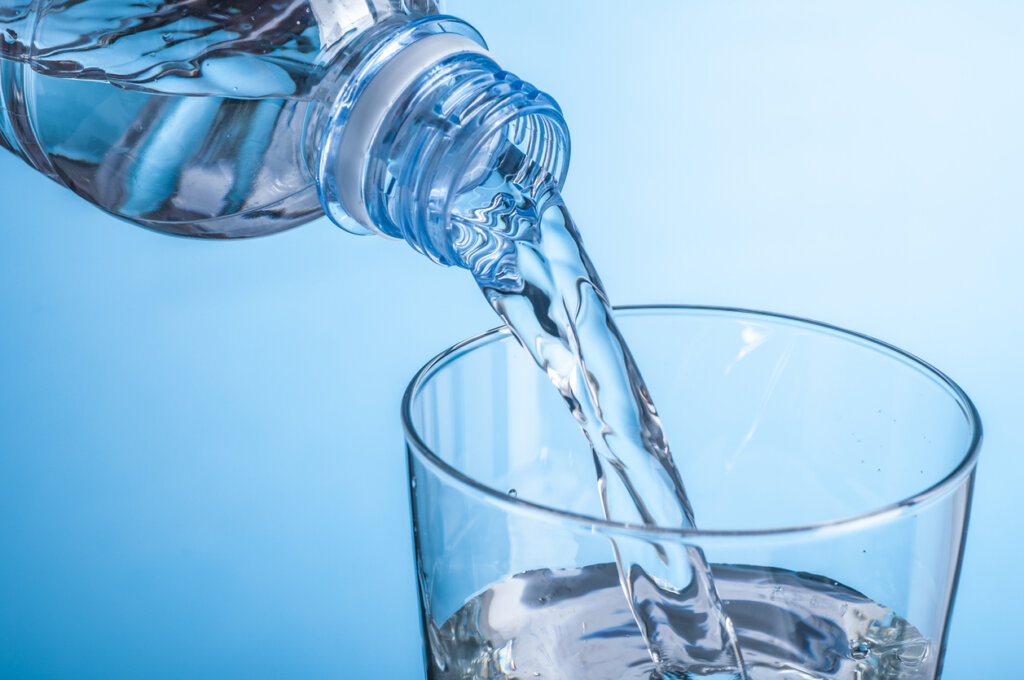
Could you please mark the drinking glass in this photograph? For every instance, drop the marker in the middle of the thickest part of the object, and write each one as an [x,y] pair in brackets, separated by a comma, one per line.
[830,475]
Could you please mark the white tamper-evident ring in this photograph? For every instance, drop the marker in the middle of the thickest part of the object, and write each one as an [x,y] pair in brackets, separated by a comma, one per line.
[375,102]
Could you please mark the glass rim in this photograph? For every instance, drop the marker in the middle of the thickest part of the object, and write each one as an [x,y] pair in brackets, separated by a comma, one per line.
[951,480]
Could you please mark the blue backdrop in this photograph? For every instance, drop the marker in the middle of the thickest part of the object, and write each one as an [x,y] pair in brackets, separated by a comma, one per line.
[201,465]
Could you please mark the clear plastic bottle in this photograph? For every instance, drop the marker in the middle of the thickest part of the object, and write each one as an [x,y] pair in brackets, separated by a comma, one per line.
[242,118]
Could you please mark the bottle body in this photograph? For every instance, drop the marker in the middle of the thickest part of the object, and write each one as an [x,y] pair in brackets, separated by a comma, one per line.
[225,120]
[191,118]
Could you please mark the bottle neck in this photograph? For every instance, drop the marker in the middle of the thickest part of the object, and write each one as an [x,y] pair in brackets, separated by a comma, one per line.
[433,116]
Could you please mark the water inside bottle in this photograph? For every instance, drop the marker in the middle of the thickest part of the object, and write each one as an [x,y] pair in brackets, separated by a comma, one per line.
[244,48]
[182,117]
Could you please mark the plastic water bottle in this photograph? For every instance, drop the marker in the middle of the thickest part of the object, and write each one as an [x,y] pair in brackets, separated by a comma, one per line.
[241,118]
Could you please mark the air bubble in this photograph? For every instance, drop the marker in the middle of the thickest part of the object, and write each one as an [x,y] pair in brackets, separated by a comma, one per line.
[860,651]
[513,493]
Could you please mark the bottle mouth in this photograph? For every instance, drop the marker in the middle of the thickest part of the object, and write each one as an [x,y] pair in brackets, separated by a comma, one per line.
[421,112]
[525,135]
[462,121]
[525,143]
[376,75]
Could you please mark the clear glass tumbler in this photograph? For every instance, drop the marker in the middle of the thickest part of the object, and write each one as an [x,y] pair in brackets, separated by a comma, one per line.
[830,475]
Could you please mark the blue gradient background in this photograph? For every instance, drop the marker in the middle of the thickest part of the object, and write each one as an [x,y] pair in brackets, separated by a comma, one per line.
[201,464]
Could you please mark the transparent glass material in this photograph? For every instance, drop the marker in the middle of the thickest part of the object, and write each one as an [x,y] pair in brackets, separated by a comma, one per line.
[830,475]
